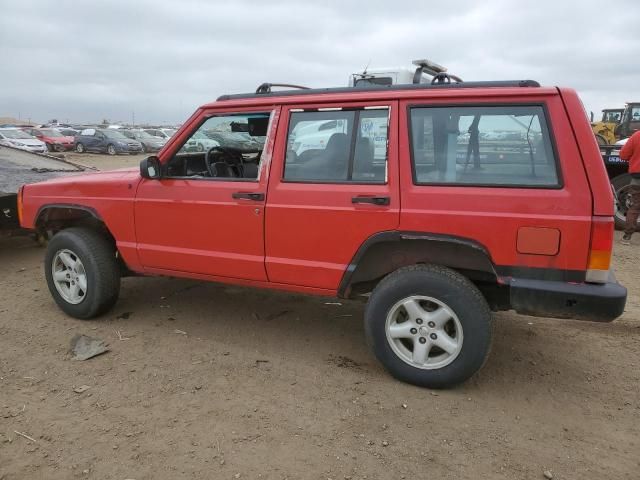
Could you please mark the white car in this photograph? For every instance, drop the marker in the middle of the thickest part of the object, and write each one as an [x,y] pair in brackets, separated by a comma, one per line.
[14,137]
[315,135]
[165,133]
[200,143]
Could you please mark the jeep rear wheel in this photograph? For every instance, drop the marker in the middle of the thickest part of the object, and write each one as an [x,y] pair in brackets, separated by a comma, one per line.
[82,272]
[429,326]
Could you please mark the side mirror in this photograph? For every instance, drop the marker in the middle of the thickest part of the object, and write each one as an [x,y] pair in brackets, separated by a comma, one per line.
[150,168]
[591,116]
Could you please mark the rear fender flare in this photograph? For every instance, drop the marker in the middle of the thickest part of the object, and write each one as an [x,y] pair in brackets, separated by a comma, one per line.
[385,252]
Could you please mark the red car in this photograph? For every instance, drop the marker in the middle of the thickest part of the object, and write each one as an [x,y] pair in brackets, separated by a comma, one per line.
[55,140]
[435,204]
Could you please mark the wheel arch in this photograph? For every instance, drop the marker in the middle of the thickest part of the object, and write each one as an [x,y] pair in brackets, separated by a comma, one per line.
[58,216]
[53,218]
[386,252]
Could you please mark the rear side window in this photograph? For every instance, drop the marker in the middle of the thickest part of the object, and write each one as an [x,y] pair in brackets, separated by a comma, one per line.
[337,146]
[482,146]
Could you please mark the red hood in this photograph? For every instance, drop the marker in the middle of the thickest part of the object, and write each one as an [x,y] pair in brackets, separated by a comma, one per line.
[114,183]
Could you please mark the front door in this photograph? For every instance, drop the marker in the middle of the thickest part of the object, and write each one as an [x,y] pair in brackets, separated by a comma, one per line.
[206,215]
[333,184]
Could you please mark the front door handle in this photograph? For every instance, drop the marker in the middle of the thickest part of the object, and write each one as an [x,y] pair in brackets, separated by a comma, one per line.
[256,197]
[372,199]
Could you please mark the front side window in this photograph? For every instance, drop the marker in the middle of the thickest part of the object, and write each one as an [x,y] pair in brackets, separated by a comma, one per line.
[337,146]
[227,146]
[492,146]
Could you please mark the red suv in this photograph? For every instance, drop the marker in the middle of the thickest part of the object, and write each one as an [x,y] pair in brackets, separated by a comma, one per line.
[436,204]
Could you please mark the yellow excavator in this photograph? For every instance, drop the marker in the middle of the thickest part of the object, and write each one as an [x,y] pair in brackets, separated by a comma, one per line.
[604,130]
[617,123]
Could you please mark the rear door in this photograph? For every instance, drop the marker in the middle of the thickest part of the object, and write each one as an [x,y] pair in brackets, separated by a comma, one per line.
[333,184]
[503,172]
[93,142]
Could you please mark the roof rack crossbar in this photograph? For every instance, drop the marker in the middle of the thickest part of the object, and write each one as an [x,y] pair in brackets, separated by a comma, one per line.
[266,87]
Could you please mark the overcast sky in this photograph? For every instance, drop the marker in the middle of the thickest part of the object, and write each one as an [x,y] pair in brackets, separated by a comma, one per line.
[85,61]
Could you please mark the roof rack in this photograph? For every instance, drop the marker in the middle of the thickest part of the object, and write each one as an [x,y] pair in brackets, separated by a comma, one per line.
[266,87]
[438,72]
[377,88]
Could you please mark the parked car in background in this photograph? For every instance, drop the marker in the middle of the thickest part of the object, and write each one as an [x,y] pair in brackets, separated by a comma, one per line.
[104,140]
[14,137]
[200,143]
[53,139]
[165,133]
[67,131]
[149,143]
[240,140]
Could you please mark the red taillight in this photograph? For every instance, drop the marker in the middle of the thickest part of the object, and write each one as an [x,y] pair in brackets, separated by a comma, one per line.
[600,249]
[19,205]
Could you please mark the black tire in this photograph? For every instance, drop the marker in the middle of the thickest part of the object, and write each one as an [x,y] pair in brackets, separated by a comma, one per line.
[98,257]
[144,149]
[448,287]
[111,149]
[49,147]
[601,140]
[620,185]
[79,148]
[199,148]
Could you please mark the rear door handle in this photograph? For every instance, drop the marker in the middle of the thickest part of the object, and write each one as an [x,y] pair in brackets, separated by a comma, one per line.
[256,197]
[372,199]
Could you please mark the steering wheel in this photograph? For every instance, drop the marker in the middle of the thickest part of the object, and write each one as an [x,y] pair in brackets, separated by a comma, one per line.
[232,159]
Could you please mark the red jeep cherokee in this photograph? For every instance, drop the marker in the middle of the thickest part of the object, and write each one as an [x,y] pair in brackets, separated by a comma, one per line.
[438,203]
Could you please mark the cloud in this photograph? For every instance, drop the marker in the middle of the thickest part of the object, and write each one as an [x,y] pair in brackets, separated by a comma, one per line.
[159,60]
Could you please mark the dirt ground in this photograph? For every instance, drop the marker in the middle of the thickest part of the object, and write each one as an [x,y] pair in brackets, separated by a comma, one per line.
[208,381]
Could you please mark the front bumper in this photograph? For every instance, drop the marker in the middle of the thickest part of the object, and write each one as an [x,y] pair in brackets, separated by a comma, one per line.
[580,301]
[60,146]
[35,149]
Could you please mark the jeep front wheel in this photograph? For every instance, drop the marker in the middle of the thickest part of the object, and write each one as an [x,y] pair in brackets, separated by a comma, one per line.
[429,326]
[82,272]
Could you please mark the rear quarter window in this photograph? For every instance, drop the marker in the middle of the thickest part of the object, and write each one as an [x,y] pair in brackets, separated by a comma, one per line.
[506,146]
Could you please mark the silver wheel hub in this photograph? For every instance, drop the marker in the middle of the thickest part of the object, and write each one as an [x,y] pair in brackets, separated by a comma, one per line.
[69,276]
[424,332]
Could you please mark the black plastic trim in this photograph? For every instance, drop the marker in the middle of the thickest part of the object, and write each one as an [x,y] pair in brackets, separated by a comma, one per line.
[538,273]
[579,301]
[382,88]
[68,206]
[398,236]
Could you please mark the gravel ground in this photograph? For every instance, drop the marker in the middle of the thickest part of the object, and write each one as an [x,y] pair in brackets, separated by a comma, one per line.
[209,381]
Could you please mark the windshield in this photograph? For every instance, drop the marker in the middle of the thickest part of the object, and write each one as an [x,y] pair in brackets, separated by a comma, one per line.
[51,133]
[16,134]
[114,134]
